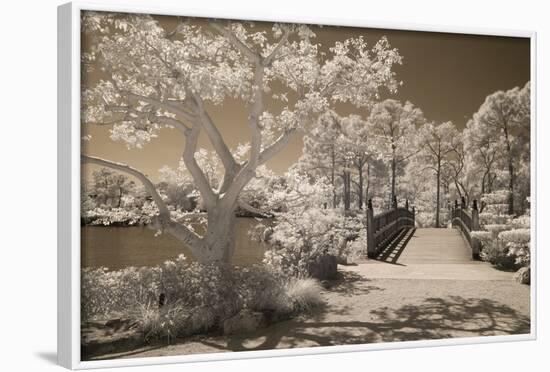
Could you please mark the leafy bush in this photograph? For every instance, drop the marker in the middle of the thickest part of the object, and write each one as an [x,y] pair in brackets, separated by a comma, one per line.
[120,216]
[296,239]
[425,219]
[198,297]
[495,252]
[506,240]
[518,243]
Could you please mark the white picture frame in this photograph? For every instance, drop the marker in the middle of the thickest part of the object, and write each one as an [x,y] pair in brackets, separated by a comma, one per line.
[69,165]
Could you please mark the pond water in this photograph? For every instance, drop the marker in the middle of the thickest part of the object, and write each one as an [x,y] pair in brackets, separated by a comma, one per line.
[119,247]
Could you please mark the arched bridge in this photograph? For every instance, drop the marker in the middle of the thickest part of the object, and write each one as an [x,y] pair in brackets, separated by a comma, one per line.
[393,237]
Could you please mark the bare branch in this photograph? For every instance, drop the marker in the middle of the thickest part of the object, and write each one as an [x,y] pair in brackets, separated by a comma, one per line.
[244,205]
[276,146]
[169,106]
[408,156]
[166,120]
[189,215]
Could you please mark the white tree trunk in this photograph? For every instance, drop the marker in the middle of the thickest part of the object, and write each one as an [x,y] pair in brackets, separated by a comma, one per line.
[219,240]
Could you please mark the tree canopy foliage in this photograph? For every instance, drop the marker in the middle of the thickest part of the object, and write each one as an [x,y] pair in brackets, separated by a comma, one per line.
[155,78]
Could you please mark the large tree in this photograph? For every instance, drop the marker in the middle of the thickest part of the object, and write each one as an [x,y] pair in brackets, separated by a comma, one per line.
[154,78]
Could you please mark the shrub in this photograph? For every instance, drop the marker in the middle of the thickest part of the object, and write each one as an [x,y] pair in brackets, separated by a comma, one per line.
[356,249]
[507,246]
[425,219]
[518,243]
[198,297]
[499,256]
[506,240]
[265,289]
[299,238]
[106,216]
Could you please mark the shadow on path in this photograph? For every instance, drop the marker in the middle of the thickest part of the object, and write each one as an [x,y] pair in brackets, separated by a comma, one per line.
[350,283]
[434,318]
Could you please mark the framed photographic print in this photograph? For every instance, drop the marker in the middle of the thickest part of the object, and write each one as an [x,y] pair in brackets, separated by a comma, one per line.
[243,186]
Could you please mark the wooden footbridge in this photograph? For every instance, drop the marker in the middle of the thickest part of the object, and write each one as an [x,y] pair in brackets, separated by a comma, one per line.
[393,237]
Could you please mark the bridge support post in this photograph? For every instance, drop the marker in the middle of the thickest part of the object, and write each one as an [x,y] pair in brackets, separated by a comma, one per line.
[371,248]
[475,227]
[396,215]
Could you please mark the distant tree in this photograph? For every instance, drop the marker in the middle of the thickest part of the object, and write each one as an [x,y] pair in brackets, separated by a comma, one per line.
[359,149]
[457,163]
[155,78]
[483,156]
[339,147]
[437,143]
[322,154]
[504,118]
[109,187]
[394,126]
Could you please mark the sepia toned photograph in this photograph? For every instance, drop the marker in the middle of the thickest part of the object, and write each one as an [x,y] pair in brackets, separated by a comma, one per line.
[253,185]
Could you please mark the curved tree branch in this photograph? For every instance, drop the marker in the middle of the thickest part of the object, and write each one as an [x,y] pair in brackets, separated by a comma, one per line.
[174,228]
[166,120]
[169,106]
[244,205]
[276,146]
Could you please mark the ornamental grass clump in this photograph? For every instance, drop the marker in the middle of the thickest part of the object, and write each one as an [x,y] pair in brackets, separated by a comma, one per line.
[304,293]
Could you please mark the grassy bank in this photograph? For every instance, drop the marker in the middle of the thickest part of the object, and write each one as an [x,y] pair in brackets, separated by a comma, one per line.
[181,298]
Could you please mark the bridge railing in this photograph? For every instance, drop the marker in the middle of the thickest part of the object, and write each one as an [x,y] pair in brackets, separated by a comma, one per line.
[467,221]
[383,227]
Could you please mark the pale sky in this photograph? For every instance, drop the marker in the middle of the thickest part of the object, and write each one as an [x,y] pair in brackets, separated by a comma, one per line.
[448,76]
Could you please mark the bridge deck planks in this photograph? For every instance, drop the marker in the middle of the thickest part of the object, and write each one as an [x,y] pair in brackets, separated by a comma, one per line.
[431,254]
[431,245]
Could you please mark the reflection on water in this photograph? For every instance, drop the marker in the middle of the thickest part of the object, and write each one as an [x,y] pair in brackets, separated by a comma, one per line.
[119,247]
